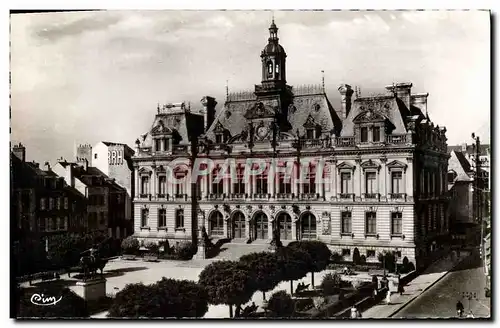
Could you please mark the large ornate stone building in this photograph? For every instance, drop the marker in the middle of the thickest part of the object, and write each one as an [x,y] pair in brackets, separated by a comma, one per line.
[382,161]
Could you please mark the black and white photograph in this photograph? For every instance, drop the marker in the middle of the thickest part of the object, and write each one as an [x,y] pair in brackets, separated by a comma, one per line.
[250,164]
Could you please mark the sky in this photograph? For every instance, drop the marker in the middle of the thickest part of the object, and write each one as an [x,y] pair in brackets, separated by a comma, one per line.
[86,77]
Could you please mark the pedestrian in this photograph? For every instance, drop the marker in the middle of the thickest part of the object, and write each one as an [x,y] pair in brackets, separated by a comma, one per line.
[388,297]
[354,312]
[460,309]
[358,314]
[401,289]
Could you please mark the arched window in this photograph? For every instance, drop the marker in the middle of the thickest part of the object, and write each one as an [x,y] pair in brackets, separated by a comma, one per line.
[277,68]
[216,224]
[308,226]
[270,67]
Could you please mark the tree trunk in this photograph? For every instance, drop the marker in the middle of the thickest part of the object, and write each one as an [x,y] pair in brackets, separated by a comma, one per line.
[291,287]
[230,310]
[264,295]
[312,279]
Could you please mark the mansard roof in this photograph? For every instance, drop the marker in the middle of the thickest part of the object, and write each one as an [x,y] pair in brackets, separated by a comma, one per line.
[183,125]
[235,114]
[391,108]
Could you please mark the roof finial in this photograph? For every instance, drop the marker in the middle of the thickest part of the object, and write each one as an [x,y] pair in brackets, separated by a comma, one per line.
[323,80]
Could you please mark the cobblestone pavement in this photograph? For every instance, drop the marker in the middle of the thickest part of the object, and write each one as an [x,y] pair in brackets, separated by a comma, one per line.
[417,286]
[440,300]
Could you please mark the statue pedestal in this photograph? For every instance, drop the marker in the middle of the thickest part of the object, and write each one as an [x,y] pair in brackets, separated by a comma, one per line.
[91,289]
[201,254]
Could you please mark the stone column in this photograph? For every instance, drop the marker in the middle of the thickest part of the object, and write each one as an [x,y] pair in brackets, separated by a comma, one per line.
[357,179]
[153,191]
[137,182]
[294,227]
[270,224]
[409,178]
[384,191]
[247,226]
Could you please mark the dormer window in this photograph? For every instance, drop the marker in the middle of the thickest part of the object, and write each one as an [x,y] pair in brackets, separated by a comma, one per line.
[364,134]
[310,133]
[376,134]
[218,138]
[158,145]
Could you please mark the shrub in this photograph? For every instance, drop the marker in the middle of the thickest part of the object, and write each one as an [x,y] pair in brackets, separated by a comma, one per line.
[303,304]
[336,258]
[152,247]
[168,298]
[130,245]
[185,251]
[281,304]
[318,302]
[166,246]
[362,259]
[331,284]
[70,305]
[390,261]
[356,258]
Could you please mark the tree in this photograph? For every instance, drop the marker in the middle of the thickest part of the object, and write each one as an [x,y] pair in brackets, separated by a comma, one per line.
[388,260]
[65,250]
[331,284]
[294,264]
[264,270]
[281,304]
[152,247]
[130,245]
[227,282]
[168,298]
[319,253]
[356,257]
[70,305]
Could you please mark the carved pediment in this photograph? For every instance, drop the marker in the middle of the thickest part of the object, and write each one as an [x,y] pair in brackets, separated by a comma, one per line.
[144,170]
[310,123]
[369,164]
[345,166]
[396,165]
[219,128]
[260,110]
[369,116]
[160,128]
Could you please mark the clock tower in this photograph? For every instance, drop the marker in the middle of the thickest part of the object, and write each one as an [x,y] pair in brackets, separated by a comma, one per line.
[273,90]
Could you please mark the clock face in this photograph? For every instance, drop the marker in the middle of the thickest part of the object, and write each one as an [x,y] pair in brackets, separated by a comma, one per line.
[262,131]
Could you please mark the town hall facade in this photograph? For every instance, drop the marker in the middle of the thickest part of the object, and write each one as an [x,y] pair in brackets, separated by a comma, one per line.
[383,165]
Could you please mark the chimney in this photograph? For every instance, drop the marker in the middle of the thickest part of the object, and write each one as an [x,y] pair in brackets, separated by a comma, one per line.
[209,104]
[402,91]
[464,147]
[20,152]
[346,94]
[47,166]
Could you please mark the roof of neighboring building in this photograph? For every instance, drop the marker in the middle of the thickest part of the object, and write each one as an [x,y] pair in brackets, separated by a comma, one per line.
[459,164]
[108,143]
[88,177]
[470,149]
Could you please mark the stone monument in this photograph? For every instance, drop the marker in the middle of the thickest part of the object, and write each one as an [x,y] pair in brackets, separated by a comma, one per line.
[201,254]
[92,286]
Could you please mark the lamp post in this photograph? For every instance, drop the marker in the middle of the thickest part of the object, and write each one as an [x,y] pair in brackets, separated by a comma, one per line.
[477,194]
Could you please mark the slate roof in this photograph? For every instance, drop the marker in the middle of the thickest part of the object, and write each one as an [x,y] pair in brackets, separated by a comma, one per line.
[107,143]
[316,105]
[470,149]
[88,177]
[390,107]
[459,164]
[185,125]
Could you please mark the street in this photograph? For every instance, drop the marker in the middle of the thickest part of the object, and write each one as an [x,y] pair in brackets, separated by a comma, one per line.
[440,300]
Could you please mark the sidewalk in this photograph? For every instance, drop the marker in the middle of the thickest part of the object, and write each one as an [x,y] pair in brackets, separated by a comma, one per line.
[417,286]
